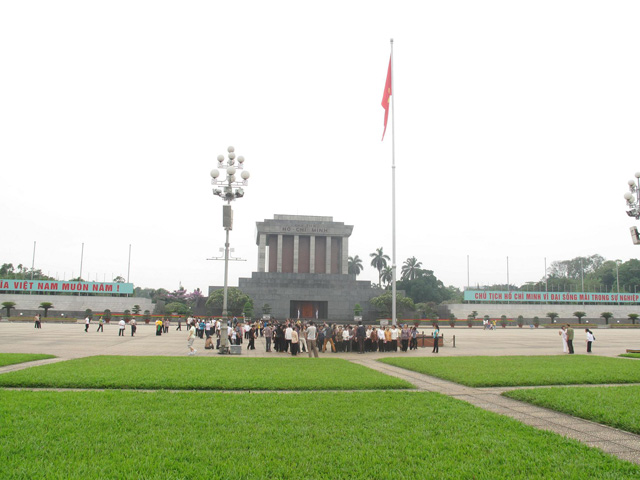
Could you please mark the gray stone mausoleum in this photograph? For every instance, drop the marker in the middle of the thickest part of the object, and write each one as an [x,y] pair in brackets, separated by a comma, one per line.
[303,271]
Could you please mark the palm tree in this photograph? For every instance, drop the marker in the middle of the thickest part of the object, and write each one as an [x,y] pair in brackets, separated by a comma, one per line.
[379,262]
[387,274]
[607,316]
[411,269]
[8,306]
[46,306]
[579,315]
[355,265]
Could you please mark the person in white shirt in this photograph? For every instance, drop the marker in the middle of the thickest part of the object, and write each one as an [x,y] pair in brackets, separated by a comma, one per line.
[121,324]
[191,338]
[590,339]
[380,333]
[346,339]
[287,338]
[312,338]
[86,324]
[394,338]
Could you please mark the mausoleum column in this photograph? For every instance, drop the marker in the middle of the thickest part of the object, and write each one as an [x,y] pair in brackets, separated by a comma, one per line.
[296,245]
[328,257]
[262,252]
[345,255]
[312,254]
[279,258]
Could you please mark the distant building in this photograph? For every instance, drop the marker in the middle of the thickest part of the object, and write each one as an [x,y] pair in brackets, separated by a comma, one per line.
[303,271]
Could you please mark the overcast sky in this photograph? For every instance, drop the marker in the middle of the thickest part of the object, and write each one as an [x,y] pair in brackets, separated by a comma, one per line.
[516,128]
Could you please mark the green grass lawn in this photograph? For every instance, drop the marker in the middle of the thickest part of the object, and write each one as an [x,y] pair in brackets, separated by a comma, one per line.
[630,355]
[13,358]
[203,373]
[355,435]
[523,371]
[615,406]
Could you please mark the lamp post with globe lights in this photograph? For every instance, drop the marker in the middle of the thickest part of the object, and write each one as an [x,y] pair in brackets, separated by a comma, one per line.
[633,202]
[231,188]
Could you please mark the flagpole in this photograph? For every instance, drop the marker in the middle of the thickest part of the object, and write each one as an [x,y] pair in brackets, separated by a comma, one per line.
[393,196]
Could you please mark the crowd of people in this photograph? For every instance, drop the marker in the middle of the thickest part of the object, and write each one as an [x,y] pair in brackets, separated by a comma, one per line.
[296,336]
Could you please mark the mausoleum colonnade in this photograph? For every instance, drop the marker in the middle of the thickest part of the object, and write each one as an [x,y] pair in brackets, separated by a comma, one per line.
[294,244]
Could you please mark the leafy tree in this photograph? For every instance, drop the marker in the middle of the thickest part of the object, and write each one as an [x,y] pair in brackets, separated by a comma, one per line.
[235,300]
[536,321]
[357,310]
[194,298]
[248,309]
[411,269]
[126,315]
[383,304]
[633,317]
[379,261]
[176,307]
[146,316]
[136,309]
[159,295]
[355,265]
[576,267]
[119,279]
[552,316]
[8,271]
[427,310]
[179,295]
[8,306]
[452,320]
[46,306]
[579,315]
[607,316]
[425,288]
[520,321]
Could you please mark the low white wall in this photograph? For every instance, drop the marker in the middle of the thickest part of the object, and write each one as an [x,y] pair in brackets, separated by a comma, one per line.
[462,310]
[73,303]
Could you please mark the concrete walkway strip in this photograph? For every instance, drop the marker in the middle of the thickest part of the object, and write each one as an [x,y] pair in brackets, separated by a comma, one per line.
[619,443]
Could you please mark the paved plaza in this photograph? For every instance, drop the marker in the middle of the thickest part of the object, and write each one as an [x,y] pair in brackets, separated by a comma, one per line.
[71,341]
[68,341]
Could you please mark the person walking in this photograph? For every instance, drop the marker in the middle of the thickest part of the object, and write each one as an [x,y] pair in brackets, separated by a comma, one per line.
[86,324]
[436,338]
[36,321]
[179,327]
[312,337]
[570,339]
[252,337]
[590,339]
[100,325]
[134,326]
[121,327]
[191,338]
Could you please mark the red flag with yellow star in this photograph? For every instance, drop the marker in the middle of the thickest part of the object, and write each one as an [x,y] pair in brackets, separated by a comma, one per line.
[385,98]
